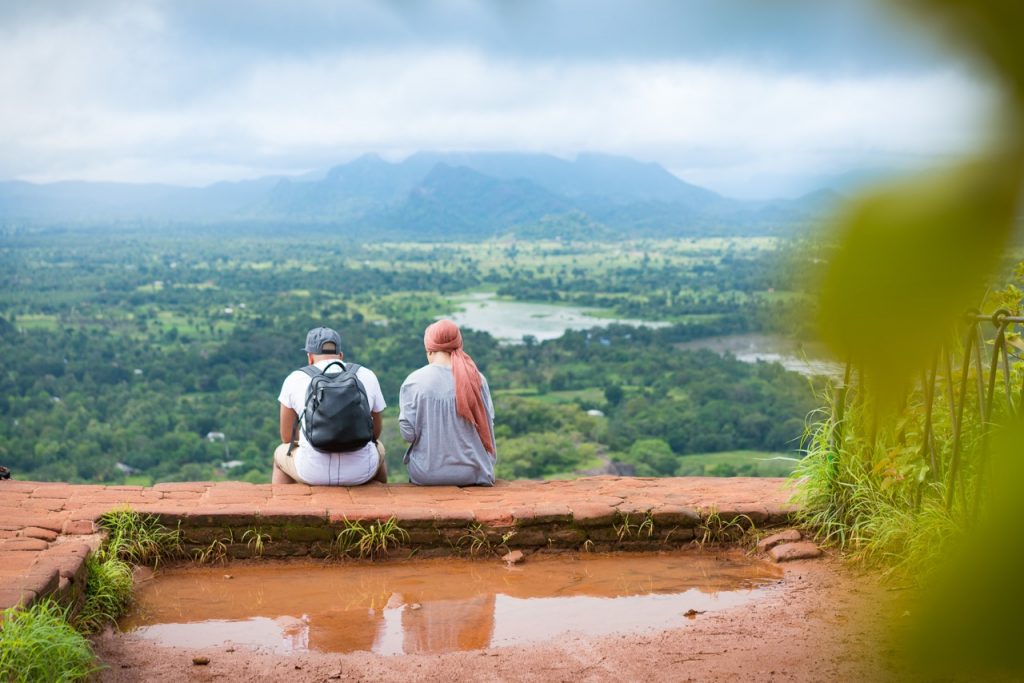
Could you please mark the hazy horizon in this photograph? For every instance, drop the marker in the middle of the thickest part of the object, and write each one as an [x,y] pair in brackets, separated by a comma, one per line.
[854,178]
[746,100]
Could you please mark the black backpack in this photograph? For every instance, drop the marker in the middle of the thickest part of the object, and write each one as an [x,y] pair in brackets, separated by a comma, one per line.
[337,415]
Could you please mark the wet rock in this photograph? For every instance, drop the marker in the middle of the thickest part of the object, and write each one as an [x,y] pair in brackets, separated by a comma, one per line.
[769,542]
[794,551]
[513,557]
[692,613]
[200,661]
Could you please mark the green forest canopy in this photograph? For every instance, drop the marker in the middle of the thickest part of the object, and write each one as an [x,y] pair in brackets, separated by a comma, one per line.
[126,361]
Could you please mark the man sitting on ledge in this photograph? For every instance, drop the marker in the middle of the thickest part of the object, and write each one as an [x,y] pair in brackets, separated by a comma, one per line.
[300,461]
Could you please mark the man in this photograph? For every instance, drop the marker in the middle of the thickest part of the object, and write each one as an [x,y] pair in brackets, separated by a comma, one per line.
[304,463]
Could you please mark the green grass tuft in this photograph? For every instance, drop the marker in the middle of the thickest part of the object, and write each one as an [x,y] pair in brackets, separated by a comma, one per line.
[216,551]
[634,529]
[38,644]
[108,591]
[373,541]
[140,539]
[717,530]
[256,541]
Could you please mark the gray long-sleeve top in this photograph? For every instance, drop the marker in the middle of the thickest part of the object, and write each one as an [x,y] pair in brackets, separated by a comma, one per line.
[445,448]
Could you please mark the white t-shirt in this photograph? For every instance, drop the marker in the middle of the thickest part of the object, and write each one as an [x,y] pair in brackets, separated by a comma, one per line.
[332,469]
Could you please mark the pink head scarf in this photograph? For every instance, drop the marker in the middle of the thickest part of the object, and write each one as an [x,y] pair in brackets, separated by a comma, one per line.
[444,335]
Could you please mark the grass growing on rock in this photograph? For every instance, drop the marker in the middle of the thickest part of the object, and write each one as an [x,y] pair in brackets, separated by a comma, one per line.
[715,529]
[132,538]
[478,542]
[38,644]
[256,541]
[108,591]
[216,551]
[633,529]
[140,539]
[372,542]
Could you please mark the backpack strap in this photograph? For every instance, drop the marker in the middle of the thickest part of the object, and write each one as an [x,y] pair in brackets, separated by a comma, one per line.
[312,371]
[354,369]
[332,363]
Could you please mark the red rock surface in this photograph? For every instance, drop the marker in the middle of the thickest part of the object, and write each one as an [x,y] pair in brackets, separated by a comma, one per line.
[787,536]
[40,521]
[794,551]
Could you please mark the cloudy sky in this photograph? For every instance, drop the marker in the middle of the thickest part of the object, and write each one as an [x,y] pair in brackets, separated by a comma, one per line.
[752,99]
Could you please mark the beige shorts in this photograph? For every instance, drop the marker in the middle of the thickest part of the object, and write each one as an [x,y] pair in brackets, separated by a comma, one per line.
[286,463]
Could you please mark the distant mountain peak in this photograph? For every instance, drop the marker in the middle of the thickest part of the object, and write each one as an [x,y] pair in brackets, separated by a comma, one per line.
[439,195]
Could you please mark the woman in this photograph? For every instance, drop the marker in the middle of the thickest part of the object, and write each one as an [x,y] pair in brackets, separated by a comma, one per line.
[447,415]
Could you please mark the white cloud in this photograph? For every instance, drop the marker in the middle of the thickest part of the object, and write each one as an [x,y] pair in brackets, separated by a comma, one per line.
[119,100]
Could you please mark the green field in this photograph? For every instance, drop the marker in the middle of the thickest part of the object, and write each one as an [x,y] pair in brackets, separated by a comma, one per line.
[737,463]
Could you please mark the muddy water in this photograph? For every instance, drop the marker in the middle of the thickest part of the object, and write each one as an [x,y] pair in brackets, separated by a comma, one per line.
[436,605]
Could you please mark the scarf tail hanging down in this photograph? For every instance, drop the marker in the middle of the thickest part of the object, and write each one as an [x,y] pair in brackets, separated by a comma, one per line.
[444,335]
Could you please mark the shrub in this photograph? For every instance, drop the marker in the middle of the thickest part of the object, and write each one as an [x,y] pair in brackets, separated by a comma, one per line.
[38,644]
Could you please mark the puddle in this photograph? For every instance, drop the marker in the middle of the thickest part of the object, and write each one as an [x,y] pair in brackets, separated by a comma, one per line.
[432,606]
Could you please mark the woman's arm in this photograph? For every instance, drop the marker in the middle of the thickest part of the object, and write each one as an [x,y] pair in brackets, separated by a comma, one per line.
[407,412]
[485,389]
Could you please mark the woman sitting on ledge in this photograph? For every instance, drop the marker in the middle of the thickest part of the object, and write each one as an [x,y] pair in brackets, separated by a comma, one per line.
[447,415]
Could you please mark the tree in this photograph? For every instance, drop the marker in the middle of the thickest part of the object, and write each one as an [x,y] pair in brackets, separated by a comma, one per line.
[654,455]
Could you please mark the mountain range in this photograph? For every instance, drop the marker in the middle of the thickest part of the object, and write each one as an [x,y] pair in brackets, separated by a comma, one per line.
[432,195]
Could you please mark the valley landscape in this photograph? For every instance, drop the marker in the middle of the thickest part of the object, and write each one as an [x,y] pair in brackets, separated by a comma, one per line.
[746,282]
[167,347]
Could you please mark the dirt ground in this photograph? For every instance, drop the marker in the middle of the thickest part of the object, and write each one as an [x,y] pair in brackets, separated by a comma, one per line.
[822,622]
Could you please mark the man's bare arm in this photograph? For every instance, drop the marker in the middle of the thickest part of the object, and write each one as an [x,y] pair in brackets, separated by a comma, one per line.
[377,425]
[288,418]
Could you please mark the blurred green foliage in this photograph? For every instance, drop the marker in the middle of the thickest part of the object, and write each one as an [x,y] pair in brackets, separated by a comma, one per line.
[968,620]
[914,256]
[911,258]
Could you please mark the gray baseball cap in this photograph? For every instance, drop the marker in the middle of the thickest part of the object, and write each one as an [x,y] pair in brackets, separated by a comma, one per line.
[318,337]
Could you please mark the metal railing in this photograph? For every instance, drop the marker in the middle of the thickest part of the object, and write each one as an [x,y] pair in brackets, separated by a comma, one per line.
[962,374]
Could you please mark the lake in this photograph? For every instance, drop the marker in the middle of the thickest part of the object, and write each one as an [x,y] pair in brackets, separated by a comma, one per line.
[510,321]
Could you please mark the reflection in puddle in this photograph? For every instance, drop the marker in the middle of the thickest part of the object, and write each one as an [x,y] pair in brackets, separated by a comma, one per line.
[436,605]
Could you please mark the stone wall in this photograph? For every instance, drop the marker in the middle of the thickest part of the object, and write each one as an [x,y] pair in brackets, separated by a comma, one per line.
[47,530]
